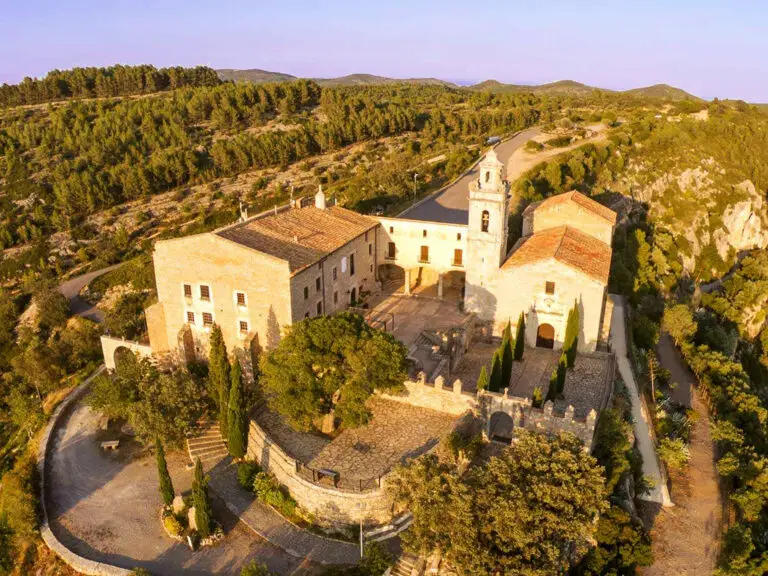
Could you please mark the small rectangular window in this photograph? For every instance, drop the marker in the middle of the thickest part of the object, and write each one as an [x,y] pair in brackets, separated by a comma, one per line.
[205,292]
[306,292]
[458,257]
[319,308]
[424,254]
[351,264]
[550,287]
[243,327]
[391,229]
[366,236]
[335,297]
[391,250]
[241,299]
[370,249]
[191,317]
[207,319]
[187,290]
[458,236]
[334,274]
[317,284]
[423,233]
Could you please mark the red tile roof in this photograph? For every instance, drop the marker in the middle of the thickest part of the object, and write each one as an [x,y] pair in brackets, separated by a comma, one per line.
[301,236]
[577,198]
[567,245]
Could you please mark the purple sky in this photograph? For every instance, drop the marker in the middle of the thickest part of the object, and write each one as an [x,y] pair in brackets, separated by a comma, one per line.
[710,48]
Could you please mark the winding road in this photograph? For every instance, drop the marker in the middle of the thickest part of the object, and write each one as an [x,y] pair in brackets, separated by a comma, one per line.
[451,203]
[71,290]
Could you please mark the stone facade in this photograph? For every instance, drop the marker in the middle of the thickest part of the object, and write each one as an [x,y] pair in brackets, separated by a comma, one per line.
[546,216]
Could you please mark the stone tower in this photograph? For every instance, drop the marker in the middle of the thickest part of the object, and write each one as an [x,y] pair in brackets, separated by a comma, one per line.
[486,236]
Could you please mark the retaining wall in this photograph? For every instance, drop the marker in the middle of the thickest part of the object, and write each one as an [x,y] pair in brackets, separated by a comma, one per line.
[332,504]
[82,565]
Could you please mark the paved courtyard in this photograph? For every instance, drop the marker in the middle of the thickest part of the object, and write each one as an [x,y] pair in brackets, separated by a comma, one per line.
[397,431]
[414,314]
[105,507]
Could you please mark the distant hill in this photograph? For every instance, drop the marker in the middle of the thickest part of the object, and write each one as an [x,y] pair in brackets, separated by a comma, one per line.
[570,87]
[253,75]
[259,76]
[663,91]
[560,88]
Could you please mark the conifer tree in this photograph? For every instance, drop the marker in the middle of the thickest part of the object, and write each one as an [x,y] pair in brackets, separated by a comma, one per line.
[218,376]
[507,355]
[562,366]
[571,343]
[200,501]
[494,384]
[166,485]
[520,338]
[236,419]
[482,380]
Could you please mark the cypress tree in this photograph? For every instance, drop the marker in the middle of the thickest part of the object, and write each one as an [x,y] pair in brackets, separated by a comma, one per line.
[552,389]
[218,375]
[571,342]
[236,419]
[482,380]
[166,485]
[562,366]
[200,501]
[507,355]
[494,384]
[520,338]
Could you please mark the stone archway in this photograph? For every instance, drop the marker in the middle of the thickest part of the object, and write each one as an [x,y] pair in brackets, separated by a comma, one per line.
[121,354]
[545,336]
[501,427]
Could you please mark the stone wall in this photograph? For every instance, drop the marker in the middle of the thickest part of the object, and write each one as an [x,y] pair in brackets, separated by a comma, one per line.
[409,236]
[110,345]
[328,503]
[78,563]
[572,214]
[439,396]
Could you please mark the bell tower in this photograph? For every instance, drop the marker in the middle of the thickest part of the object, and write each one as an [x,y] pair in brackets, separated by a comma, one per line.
[486,235]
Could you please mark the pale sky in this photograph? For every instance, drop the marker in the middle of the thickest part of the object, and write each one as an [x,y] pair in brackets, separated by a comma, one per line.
[709,48]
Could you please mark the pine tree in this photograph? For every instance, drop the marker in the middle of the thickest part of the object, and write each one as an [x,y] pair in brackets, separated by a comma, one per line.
[166,485]
[200,501]
[218,375]
[520,338]
[236,419]
[507,355]
[494,384]
[571,342]
[482,380]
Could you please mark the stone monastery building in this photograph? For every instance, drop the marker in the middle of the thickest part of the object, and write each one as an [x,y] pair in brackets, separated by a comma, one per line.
[268,271]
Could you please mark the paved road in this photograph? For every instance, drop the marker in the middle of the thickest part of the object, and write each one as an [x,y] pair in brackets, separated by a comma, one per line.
[659,493]
[71,289]
[451,204]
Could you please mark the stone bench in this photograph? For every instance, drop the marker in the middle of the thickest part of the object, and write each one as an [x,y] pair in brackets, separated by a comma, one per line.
[110,445]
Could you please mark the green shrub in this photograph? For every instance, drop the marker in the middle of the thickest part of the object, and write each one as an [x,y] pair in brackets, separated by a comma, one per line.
[271,492]
[172,525]
[537,397]
[246,471]
[559,141]
[674,452]
[533,146]
[253,568]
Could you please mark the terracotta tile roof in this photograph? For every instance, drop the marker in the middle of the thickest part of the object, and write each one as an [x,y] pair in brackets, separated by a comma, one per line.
[578,198]
[567,245]
[301,236]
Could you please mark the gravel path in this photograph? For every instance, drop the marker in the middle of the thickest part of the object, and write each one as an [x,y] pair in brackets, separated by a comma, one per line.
[105,506]
[686,538]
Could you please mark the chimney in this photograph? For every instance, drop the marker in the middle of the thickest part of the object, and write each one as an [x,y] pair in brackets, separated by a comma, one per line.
[320,199]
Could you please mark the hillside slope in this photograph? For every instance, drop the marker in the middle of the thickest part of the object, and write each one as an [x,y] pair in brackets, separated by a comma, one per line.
[259,76]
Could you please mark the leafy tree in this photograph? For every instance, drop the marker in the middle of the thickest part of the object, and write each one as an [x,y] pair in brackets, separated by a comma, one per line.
[494,384]
[520,338]
[115,395]
[7,547]
[26,410]
[203,516]
[521,513]
[238,430]
[507,355]
[126,318]
[331,365]
[621,547]
[678,321]
[218,375]
[571,342]
[166,485]
[482,380]
[52,309]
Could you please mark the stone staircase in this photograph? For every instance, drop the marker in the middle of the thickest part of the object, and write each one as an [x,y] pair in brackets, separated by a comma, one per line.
[206,443]
[404,566]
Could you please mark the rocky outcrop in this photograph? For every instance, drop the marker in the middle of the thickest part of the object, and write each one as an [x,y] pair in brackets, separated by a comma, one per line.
[743,227]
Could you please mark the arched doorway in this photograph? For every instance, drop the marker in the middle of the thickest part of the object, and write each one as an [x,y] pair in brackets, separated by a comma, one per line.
[501,428]
[545,337]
